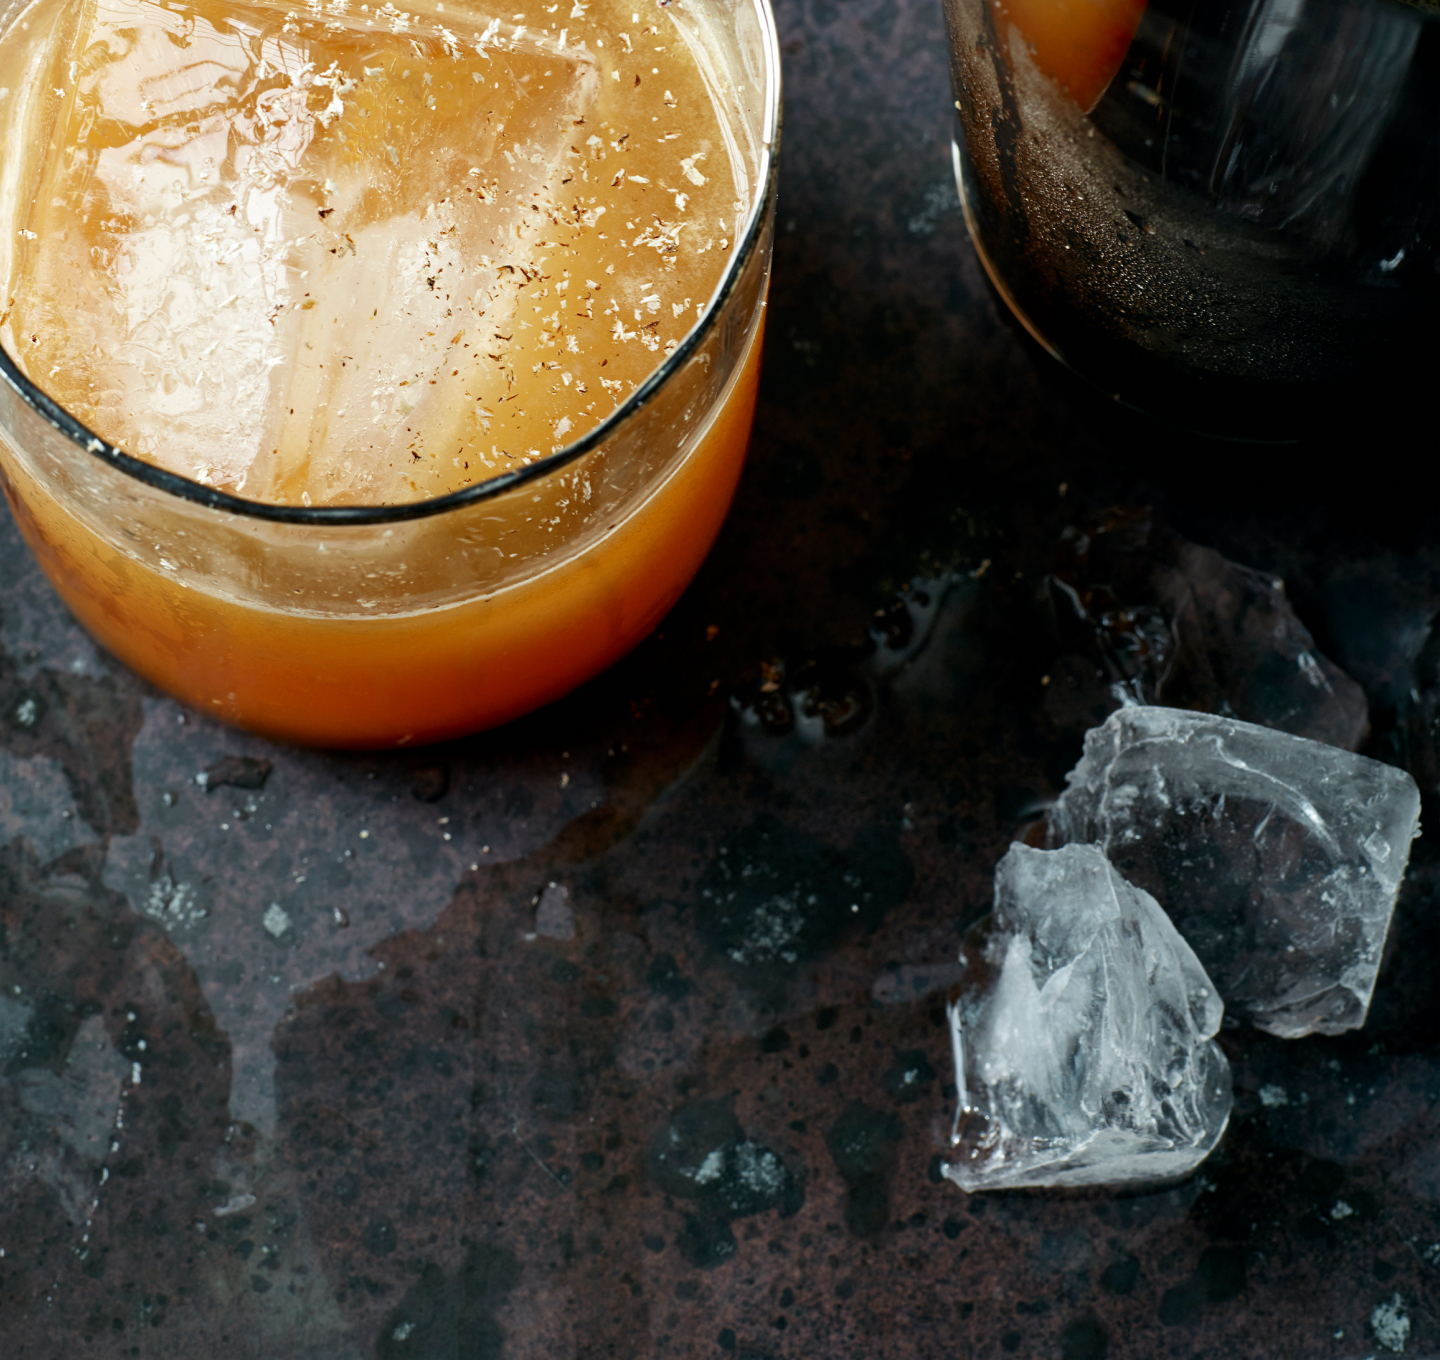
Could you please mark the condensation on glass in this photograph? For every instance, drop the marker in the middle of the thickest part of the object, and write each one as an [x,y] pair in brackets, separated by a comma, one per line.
[1223,212]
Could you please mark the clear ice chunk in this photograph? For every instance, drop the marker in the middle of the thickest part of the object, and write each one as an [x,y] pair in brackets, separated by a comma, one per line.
[276,248]
[1148,617]
[1279,859]
[1083,1034]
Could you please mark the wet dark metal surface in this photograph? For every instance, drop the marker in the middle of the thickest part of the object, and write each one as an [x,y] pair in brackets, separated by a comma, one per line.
[618,1032]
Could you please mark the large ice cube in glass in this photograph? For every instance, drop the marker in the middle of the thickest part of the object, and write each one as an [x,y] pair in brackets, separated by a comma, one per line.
[276,248]
[1278,858]
[1083,1032]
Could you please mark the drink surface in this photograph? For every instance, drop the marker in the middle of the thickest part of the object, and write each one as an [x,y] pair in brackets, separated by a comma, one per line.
[346,254]
[1077,43]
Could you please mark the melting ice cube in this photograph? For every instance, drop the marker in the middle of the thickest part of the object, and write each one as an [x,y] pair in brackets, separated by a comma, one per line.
[275,248]
[1083,1034]
[1278,858]
[1150,618]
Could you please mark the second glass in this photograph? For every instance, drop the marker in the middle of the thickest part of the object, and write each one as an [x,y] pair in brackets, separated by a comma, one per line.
[1223,213]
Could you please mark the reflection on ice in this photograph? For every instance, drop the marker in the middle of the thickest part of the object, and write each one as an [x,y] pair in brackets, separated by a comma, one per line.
[1083,1034]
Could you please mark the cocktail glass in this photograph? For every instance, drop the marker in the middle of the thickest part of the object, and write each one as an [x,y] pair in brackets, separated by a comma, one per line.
[1221,212]
[396,625]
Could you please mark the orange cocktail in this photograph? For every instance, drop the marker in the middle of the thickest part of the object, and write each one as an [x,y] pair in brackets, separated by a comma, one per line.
[347,284]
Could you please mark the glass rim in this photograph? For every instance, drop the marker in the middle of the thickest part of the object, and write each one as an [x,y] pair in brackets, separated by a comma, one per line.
[187,489]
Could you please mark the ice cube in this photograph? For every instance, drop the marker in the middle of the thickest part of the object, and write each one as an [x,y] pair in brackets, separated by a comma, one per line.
[1083,1034]
[1278,859]
[275,248]
[1151,618]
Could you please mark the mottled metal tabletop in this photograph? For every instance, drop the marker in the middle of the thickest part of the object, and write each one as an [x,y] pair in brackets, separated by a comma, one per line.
[619,1032]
